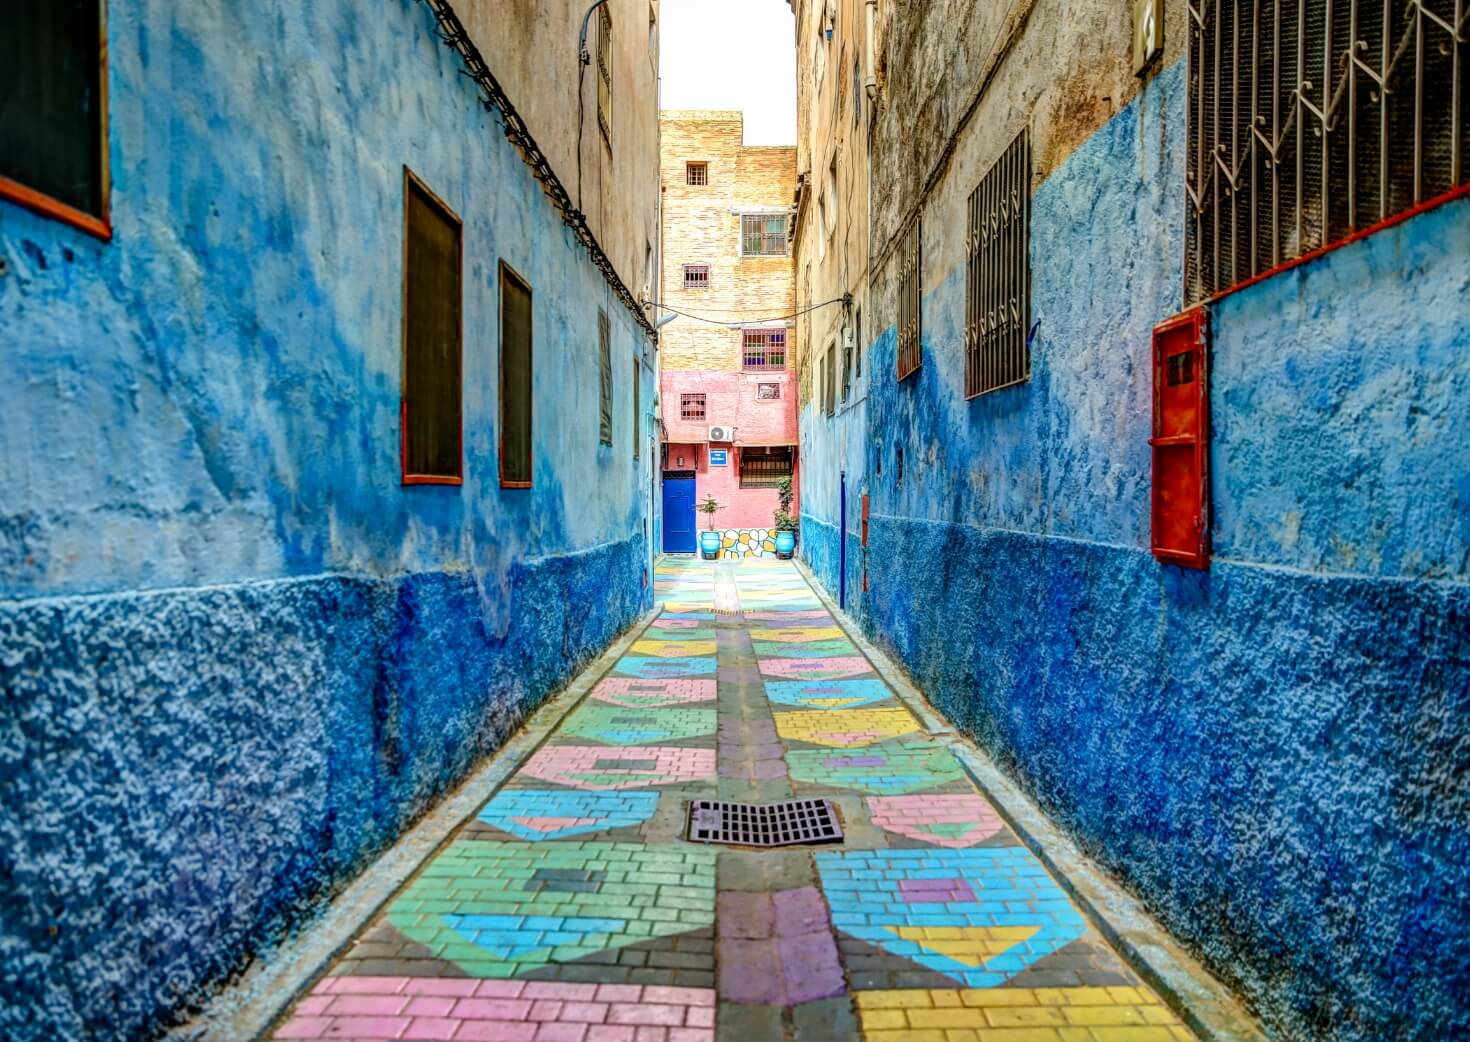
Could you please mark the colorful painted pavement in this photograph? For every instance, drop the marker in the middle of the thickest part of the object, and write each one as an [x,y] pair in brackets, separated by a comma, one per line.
[570,908]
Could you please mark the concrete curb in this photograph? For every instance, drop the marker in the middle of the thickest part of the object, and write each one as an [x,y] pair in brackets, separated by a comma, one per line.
[1201,1001]
[252,1004]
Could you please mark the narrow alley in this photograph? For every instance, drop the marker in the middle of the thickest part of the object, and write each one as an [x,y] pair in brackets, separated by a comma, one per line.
[572,908]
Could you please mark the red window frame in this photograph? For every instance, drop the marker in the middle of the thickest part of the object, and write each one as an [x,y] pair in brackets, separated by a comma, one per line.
[688,402]
[1180,446]
[98,225]
[411,181]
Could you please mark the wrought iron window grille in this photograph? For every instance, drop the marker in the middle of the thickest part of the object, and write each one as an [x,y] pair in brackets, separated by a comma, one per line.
[998,274]
[910,272]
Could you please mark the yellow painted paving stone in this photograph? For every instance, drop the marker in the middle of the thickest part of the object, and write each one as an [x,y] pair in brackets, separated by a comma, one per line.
[971,945]
[674,648]
[845,728]
[798,635]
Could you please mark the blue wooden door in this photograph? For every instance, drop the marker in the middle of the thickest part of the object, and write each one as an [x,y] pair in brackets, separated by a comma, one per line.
[678,514]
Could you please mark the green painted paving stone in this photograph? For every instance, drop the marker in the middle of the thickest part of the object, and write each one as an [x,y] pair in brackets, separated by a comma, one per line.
[620,725]
[505,920]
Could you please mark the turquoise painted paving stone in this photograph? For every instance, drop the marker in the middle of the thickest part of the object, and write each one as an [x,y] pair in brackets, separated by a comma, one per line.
[978,916]
[655,667]
[538,814]
[828,694]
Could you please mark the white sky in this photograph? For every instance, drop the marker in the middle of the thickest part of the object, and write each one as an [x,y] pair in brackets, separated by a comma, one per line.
[732,54]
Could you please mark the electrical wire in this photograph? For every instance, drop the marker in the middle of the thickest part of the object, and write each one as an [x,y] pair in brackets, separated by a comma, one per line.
[749,320]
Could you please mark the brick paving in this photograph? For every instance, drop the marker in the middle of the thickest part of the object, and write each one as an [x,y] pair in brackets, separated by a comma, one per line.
[570,908]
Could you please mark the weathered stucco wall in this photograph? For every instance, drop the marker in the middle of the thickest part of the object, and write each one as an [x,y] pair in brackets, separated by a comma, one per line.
[1272,753]
[237,656]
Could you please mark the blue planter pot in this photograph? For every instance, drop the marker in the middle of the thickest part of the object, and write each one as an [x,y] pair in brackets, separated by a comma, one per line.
[709,543]
[785,544]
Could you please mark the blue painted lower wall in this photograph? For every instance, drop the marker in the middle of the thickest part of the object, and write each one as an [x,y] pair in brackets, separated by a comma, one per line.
[1274,755]
[1277,760]
[187,771]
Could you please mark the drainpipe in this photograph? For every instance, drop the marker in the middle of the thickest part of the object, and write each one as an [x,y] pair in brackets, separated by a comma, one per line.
[870,78]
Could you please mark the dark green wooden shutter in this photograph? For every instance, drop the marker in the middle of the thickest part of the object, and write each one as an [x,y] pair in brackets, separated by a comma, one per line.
[51,99]
[432,374]
[515,379]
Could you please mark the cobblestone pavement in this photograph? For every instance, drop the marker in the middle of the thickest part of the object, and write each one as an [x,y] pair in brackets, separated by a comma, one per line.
[570,909]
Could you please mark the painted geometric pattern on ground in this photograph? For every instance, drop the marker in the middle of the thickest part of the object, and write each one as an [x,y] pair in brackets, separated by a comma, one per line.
[497,909]
[618,726]
[891,768]
[628,767]
[557,813]
[673,648]
[580,935]
[656,668]
[946,820]
[816,649]
[845,728]
[1115,1014]
[641,694]
[793,635]
[449,1009]
[977,916]
[837,668]
[828,694]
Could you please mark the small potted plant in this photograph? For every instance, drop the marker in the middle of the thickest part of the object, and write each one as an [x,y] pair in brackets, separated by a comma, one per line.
[785,523]
[709,542]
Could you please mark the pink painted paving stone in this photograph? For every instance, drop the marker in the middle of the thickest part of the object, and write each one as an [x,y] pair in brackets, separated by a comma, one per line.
[636,693]
[836,668]
[946,820]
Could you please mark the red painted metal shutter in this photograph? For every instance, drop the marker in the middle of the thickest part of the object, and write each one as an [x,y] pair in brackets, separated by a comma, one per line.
[1181,443]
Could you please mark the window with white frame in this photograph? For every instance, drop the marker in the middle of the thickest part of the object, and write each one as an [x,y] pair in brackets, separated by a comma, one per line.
[696,276]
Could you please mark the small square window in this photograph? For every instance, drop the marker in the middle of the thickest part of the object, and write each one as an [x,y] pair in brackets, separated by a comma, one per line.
[768,392]
[696,173]
[763,234]
[696,276]
[691,406]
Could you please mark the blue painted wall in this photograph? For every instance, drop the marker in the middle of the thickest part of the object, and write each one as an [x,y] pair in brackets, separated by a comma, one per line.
[1274,753]
[237,656]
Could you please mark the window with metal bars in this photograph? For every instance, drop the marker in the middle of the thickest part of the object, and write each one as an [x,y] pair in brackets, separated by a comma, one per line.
[691,406]
[767,392]
[909,284]
[604,381]
[1309,120]
[998,274]
[637,408]
[696,173]
[763,348]
[763,234]
[764,466]
[432,367]
[604,73]
[53,119]
[696,276]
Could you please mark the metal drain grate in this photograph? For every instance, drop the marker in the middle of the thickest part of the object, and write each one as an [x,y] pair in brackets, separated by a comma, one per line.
[780,824]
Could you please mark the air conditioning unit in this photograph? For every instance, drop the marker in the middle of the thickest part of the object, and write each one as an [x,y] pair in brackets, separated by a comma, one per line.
[721,434]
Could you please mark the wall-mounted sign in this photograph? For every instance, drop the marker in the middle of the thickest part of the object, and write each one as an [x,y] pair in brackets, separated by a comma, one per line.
[719,457]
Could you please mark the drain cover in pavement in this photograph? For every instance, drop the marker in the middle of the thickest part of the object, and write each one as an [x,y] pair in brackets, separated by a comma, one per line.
[764,824]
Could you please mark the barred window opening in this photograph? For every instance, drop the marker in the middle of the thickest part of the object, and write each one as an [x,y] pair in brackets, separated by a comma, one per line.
[696,174]
[696,276]
[764,466]
[998,274]
[691,407]
[1309,120]
[604,74]
[909,284]
[763,348]
[763,234]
